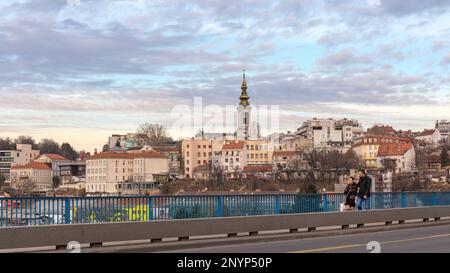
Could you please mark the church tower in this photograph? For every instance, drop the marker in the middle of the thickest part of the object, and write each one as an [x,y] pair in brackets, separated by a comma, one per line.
[243,112]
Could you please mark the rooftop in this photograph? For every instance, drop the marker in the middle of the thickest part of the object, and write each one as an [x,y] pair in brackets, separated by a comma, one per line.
[234,145]
[32,165]
[394,149]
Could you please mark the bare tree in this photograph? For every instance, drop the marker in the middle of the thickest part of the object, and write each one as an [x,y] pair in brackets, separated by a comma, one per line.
[56,182]
[26,140]
[24,186]
[6,144]
[217,174]
[2,181]
[152,134]
[420,157]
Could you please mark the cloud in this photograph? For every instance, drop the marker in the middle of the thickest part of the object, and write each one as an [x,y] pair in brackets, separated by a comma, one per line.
[446,60]
[344,57]
[123,62]
[407,7]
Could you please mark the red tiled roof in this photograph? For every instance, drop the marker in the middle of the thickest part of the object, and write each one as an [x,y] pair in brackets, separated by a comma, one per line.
[32,165]
[381,140]
[426,133]
[284,153]
[56,157]
[149,154]
[258,168]
[127,155]
[169,149]
[394,149]
[113,155]
[234,145]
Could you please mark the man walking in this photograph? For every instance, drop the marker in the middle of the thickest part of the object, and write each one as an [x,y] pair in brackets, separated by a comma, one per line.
[364,186]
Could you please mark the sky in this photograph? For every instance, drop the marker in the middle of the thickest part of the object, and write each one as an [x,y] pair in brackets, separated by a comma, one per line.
[81,70]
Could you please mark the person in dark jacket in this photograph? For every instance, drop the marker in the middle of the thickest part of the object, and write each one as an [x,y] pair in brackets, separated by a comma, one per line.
[364,186]
[350,194]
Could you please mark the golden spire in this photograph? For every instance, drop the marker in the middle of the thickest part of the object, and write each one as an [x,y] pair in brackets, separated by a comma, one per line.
[244,98]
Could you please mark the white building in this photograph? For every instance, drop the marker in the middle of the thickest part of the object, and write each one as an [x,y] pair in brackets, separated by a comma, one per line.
[22,155]
[402,156]
[234,157]
[55,161]
[325,132]
[430,136]
[444,128]
[34,177]
[125,173]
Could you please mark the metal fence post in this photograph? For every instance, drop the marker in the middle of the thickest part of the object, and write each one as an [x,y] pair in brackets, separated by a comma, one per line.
[67,210]
[403,200]
[325,202]
[150,208]
[277,204]
[219,206]
[434,199]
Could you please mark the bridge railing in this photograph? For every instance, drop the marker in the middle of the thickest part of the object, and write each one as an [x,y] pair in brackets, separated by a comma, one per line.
[30,211]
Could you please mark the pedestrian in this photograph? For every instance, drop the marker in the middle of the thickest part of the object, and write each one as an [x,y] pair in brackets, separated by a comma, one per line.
[364,186]
[350,194]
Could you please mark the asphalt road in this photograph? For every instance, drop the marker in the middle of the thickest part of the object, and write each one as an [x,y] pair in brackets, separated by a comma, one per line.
[416,240]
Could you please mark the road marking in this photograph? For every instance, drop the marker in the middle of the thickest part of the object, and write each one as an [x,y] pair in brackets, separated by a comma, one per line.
[363,245]
[327,248]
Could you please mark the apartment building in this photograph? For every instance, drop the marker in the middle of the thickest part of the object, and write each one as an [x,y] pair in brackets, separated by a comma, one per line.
[197,153]
[401,157]
[259,152]
[367,147]
[33,177]
[234,158]
[22,155]
[430,137]
[125,173]
[55,161]
[73,175]
[296,143]
[322,132]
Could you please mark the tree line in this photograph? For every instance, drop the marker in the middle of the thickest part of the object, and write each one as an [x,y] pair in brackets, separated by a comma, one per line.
[45,146]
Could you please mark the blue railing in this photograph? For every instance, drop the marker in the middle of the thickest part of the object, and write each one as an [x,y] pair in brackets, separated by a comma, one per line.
[26,211]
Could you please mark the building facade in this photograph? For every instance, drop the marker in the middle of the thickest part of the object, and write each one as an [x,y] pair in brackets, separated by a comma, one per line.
[322,132]
[125,173]
[23,154]
[53,160]
[367,147]
[73,175]
[399,157]
[32,178]
[234,158]
[430,137]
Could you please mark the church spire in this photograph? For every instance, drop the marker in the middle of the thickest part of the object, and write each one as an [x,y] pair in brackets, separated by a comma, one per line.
[244,98]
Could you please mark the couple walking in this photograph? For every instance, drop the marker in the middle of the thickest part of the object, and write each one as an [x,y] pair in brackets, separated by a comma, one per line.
[358,193]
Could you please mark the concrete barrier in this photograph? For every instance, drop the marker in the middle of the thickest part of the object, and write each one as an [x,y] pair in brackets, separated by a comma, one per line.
[97,234]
